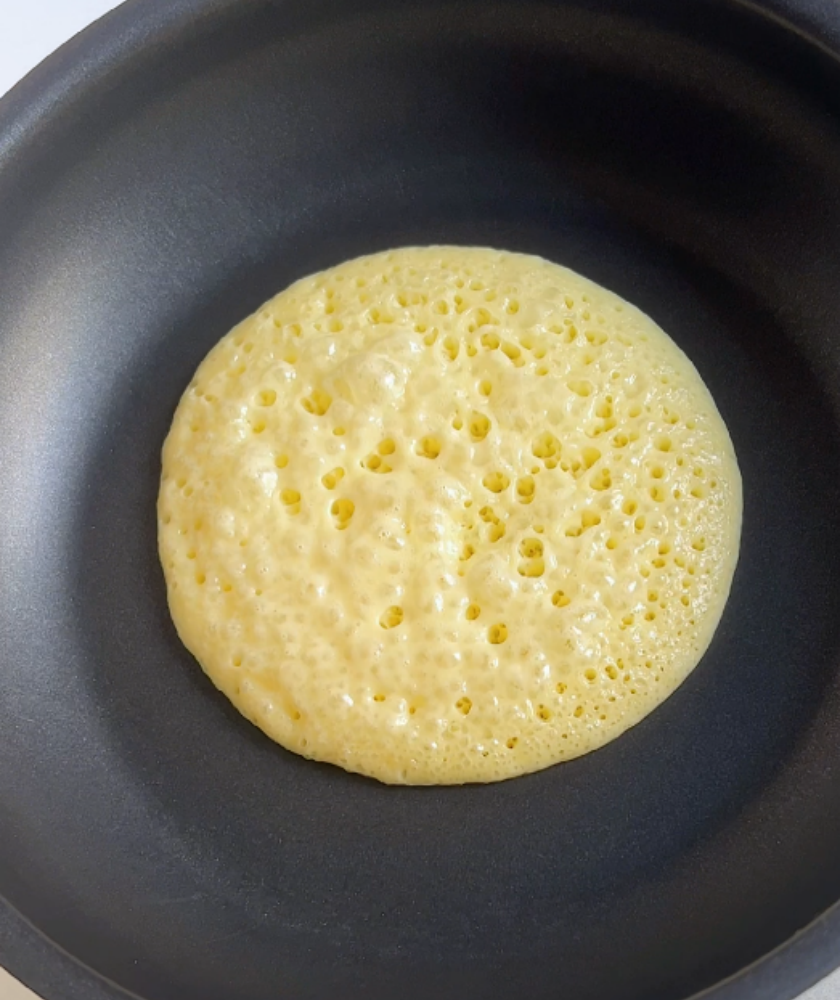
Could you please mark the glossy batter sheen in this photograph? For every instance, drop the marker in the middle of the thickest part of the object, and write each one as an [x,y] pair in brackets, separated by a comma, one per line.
[444,515]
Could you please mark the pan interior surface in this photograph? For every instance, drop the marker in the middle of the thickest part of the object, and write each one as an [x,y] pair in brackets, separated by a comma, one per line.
[187,161]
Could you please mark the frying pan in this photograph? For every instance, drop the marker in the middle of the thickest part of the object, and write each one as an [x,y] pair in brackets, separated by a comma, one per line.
[162,176]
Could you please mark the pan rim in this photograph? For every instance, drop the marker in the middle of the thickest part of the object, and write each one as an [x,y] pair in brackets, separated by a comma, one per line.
[28,112]
[785,973]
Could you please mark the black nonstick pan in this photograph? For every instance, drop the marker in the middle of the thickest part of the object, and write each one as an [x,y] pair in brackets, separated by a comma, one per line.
[162,176]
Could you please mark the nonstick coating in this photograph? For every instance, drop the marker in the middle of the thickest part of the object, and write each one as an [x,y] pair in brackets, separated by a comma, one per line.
[162,177]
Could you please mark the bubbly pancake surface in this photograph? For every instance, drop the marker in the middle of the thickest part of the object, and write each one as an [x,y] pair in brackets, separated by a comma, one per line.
[444,515]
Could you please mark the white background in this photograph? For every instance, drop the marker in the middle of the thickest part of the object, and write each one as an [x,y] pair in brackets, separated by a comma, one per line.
[29,31]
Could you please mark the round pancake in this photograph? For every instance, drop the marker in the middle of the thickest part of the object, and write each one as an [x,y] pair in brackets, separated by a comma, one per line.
[447,515]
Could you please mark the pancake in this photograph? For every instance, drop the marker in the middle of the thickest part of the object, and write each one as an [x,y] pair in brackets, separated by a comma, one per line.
[447,515]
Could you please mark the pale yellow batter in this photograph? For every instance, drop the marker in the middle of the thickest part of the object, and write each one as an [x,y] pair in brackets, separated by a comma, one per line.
[445,515]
